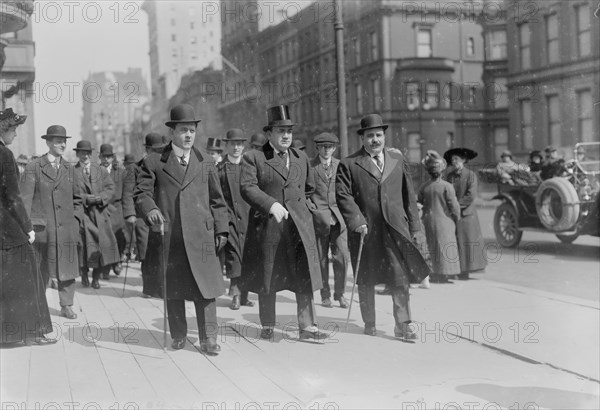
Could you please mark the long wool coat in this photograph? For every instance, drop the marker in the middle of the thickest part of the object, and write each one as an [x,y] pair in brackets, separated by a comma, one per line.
[141,229]
[238,209]
[324,198]
[53,202]
[115,206]
[386,203]
[191,201]
[440,211]
[266,264]
[468,230]
[99,244]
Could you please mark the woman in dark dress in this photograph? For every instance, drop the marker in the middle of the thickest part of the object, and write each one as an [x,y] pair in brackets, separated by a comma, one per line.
[468,231]
[24,314]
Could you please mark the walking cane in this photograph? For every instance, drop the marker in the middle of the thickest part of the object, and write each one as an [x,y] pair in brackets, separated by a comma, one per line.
[164,274]
[130,250]
[360,247]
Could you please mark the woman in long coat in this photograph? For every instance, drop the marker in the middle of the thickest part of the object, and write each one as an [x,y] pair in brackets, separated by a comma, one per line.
[440,213]
[24,311]
[468,231]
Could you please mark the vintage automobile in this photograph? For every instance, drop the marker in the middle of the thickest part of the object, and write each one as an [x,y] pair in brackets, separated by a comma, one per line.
[566,206]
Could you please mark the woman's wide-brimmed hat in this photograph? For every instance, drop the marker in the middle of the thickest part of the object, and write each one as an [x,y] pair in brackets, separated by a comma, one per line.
[465,153]
[11,118]
[433,162]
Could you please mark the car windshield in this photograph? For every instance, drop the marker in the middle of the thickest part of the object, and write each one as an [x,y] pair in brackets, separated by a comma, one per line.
[587,155]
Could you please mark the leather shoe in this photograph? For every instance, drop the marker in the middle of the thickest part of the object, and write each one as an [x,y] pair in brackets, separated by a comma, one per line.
[95,284]
[85,281]
[67,312]
[266,333]
[43,340]
[370,331]
[405,333]
[326,302]
[210,347]
[235,302]
[106,276]
[386,291]
[343,302]
[246,302]
[117,268]
[312,333]
[463,276]
[178,344]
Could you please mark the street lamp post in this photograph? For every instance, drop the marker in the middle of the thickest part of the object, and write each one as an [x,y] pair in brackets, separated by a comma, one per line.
[341,79]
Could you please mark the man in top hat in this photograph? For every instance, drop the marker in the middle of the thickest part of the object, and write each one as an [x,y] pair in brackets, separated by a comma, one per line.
[257,140]
[330,228]
[151,279]
[280,251]
[213,147]
[99,249]
[53,202]
[178,193]
[229,174]
[376,198]
[115,207]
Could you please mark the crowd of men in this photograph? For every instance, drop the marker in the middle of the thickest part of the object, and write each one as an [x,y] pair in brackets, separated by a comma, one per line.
[270,219]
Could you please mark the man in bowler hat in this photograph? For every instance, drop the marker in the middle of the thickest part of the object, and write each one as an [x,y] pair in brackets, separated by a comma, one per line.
[377,200]
[257,140]
[229,174]
[179,194]
[53,202]
[280,251]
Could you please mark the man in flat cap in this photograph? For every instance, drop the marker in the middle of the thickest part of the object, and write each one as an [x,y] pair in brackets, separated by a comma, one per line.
[330,228]
[178,193]
[280,251]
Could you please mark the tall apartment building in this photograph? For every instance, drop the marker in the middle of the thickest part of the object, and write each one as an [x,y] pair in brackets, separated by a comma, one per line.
[184,36]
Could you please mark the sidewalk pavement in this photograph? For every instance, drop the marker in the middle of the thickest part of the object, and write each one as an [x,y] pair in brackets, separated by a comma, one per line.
[481,343]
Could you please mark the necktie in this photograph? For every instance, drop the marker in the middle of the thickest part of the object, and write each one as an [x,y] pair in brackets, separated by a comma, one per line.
[284,156]
[86,171]
[56,163]
[378,162]
[182,161]
[327,168]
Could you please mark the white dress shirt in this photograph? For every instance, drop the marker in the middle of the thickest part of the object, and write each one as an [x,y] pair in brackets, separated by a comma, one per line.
[179,152]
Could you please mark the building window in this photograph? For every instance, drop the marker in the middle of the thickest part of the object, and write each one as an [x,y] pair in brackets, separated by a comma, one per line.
[470,47]
[173,22]
[526,125]
[500,141]
[500,93]
[356,45]
[584,115]
[414,147]
[412,95]
[193,56]
[173,37]
[374,46]
[432,91]
[174,53]
[191,25]
[524,46]
[553,112]
[193,40]
[359,98]
[424,47]
[583,30]
[376,92]
[472,95]
[552,38]
[497,45]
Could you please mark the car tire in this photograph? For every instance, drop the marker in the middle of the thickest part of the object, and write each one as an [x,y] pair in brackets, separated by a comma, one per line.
[557,204]
[506,226]
[567,238]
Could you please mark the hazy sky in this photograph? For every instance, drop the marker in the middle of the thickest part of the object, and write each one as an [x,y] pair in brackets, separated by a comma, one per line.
[73,39]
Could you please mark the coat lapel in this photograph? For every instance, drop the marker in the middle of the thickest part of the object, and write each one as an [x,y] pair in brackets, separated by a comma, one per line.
[389,165]
[367,164]
[172,167]
[316,164]
[47,168]
[275,161]
[193,168]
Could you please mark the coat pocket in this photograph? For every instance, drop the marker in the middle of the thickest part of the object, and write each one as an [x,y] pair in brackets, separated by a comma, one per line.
[210,223]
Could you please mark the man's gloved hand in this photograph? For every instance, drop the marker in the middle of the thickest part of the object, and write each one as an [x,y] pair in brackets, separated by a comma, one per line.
[220,242]
[131,219]
[278,211]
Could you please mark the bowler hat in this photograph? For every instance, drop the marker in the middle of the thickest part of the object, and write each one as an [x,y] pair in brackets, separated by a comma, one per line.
[326,138]
[464,153]
[506,153]
[55,131]
[258,139]
[182,113]
[83,146]
[12,118]
[129,159]
[371,121]
[106,150]
[298,144]
[154,140]
[214,144]
[235,134]
[278,116]
[433,162]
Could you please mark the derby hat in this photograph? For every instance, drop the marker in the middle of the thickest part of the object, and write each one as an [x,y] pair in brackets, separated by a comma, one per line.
[326,138]
[235,134]
[180,114]
[214,144]
[433,162]
[298,144]
[258,139]
[12,118]
[106,150]
[129,159]
[55,131]
[506,153]
[83,146]
[371,121]
[154,140]
[465,153]
[278,116]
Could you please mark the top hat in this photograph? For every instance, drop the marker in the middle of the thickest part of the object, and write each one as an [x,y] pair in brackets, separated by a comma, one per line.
[214,144]
[326,138]
[258,139]
[83,146]
[506,153]
[433,162]
[371,121]
[154,140]
[182,113]
[465,153]
[12,118]
[129,159]
[278,116]
[55,131]
[534,154]
[298,144]
[106,150]
[235,134]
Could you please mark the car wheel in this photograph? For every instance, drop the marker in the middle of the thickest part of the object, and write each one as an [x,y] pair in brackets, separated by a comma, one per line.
[506,226]
[557,204]
[567,238]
